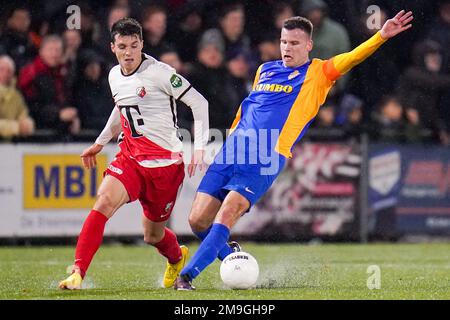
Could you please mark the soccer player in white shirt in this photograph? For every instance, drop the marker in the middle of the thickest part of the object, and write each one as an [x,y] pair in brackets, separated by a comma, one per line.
[149,166]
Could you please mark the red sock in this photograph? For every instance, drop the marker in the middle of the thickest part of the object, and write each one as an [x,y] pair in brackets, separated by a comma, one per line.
[90,239]
[169,246]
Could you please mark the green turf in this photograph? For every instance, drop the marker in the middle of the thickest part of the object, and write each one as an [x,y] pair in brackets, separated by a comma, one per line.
[291,271]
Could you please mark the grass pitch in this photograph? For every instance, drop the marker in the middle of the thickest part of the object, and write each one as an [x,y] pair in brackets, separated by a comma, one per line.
[287,271]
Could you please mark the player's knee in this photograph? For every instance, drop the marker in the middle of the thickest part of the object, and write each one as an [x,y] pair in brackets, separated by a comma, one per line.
[233,209]
[105,203]
[198,223]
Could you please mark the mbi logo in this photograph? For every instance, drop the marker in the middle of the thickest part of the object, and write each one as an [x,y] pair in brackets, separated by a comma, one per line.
[60,181]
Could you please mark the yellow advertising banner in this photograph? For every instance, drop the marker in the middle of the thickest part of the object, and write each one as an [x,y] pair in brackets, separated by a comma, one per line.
[59,181]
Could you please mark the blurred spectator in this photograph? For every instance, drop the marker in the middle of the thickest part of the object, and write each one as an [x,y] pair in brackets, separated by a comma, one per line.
[90,26]
[154,26]
[231,30]
[92,95]
[326,116]
[330,38]
[421,85]
[440,31]
[225,69]
[187,33]
[72,42]
[414,130]
[14,118]
[282,11]
[185,117]
[377,76]
[389,124]
[324,127]
[238,66]
[43,84]
[171,57]
[269,47]
[115,13]
[15,40]
[350,116]
[39,28]
[212,80]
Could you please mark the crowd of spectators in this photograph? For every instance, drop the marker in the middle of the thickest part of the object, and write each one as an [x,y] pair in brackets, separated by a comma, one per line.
[54,87]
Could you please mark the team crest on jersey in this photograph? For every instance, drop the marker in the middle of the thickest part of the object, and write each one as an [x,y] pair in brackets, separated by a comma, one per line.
[266,75]
[141,92]
[293,74]
[175,81]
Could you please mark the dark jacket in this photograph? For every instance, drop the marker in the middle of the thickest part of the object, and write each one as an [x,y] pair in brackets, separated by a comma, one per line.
[44,90]
[421,89]
[216,86]
[18,46]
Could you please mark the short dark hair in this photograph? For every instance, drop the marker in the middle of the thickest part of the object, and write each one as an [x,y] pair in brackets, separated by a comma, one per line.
[126,27]
[151,10]
[299,23]
[385,100]
[228,8]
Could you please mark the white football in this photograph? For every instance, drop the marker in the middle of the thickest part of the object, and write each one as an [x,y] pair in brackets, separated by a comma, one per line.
[239,270]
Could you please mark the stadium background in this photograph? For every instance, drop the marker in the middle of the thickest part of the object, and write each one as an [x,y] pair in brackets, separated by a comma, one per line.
[374,165]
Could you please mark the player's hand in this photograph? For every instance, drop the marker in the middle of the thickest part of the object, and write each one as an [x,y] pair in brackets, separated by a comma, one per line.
[88,157]
[197,160]
[397,24]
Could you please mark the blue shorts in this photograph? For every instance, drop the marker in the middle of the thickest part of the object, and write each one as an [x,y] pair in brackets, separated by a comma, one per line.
[249,180]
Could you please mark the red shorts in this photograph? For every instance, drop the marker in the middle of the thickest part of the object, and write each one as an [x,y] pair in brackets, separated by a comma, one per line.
[156,188]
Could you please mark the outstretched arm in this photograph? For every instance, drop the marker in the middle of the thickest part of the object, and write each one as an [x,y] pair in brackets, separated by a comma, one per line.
[397,24]
[342,63]
[112,128]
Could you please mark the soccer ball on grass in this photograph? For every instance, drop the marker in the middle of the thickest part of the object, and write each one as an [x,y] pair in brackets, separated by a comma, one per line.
[239,270]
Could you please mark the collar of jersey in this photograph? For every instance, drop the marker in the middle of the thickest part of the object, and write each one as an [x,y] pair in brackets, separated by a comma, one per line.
[306,64]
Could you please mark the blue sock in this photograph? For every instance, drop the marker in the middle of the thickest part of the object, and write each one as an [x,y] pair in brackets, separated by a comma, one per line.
[226,250]
[208,250]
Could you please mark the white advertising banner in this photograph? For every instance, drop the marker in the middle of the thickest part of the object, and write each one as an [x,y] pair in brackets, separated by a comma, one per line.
[45,192]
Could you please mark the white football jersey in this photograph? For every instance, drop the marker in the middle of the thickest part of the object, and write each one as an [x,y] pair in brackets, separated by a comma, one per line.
[146,100]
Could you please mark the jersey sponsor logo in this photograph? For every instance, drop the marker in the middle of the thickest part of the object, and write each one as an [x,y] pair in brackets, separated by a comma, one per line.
[115,169]
[59,181]
[273,88]
[141,92]
[176,81]
[293,75]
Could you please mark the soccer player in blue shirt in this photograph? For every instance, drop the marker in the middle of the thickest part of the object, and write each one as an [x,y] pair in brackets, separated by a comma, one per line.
[284,100]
